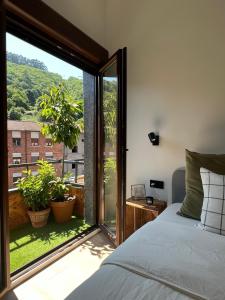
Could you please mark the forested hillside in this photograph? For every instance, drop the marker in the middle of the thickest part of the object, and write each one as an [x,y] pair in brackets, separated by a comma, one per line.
[27,80]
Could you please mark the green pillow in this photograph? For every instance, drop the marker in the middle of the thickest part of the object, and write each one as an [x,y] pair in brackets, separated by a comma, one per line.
[192,204]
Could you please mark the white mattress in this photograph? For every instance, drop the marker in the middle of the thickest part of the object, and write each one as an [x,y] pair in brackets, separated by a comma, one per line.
[186,259]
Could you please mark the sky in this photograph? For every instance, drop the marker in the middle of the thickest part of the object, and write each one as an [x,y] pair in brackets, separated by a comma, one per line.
[54,64]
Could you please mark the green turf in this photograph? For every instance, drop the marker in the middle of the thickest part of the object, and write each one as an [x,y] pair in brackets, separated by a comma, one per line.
[28,243]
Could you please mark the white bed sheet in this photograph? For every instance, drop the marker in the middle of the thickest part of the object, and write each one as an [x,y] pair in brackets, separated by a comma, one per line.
[170,215]
[113,282]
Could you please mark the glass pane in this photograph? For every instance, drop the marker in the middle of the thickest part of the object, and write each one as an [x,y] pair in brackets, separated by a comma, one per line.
[42,91]
[110,101]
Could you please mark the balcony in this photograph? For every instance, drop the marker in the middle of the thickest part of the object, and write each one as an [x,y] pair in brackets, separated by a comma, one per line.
[28,244]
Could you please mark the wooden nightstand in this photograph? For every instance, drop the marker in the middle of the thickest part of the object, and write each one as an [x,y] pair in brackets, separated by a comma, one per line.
[138,213]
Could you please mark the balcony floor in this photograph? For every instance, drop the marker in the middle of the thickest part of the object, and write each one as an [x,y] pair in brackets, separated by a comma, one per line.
[28,243]
[58,280]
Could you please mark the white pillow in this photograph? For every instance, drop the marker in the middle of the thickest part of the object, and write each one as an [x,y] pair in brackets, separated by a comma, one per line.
[213,209]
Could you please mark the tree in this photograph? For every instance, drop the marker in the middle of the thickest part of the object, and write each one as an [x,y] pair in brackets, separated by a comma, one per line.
[26,83]
[109,110]
[21,60]
[64,117]
[15,114]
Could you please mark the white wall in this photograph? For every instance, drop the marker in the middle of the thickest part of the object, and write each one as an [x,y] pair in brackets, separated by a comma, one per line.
[176,81]
[87,15]
[176,75]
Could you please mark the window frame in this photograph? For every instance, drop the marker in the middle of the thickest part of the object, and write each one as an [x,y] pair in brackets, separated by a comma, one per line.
[17,177]
[31,21]
[15,144]
[4,207]
[15,160]
[34,158]
[76,149]
[33,144]
[47,143]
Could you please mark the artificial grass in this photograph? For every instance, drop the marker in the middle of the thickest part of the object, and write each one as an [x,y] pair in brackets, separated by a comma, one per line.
[28,243]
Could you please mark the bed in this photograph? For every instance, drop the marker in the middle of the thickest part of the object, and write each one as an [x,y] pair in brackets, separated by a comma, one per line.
[169,258]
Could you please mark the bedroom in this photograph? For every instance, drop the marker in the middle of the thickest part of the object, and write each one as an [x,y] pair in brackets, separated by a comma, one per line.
[175,77]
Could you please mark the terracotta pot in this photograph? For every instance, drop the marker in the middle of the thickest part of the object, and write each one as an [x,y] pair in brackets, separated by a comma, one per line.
[63,211]
[39,218]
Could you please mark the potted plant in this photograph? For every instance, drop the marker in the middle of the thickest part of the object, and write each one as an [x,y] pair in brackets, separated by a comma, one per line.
[64,123]
[62,204]
[36,193]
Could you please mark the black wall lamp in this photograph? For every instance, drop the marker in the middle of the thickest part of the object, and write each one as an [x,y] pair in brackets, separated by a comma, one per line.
[154,138]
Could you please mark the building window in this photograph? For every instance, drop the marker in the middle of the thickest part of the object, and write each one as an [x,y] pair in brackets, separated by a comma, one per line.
[49,155]
[75,149]
[16,158]
[34,138]
[48,142]
[34,156]
[16,176]
[73,166]
[34,142]
[16,141]
[17,161]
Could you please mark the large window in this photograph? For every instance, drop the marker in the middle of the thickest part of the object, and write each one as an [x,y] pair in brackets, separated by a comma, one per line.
[31,72]
[45,92]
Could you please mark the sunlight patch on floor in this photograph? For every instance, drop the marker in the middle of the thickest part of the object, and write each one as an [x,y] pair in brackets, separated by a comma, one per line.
[58,280]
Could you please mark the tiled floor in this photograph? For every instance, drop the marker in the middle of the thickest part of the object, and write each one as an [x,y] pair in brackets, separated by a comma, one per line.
[58,280]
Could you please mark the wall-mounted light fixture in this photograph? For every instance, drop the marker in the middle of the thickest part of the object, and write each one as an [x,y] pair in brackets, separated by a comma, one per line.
[154,138]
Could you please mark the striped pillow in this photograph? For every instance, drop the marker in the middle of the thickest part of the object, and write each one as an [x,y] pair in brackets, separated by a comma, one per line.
[213,209]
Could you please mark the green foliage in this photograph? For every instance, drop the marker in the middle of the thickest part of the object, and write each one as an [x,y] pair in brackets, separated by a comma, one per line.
[74,87]
[110,111]
[26,83]
[21,60]
[64,115]
[15,113]
[109,169]
[35,188]
[59,188]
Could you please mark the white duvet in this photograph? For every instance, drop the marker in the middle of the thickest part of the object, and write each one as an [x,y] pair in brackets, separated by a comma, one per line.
[163,260]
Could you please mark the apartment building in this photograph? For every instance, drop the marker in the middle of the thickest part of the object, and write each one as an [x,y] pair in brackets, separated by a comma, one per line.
[76,155]
[26,144]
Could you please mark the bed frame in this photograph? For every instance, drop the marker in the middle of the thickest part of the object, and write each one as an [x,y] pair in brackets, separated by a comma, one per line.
[178,185]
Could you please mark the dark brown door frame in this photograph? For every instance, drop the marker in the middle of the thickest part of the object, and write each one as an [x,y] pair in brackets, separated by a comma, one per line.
[85,53]
[4,234]
[39,16]
[77,48]
[121,57]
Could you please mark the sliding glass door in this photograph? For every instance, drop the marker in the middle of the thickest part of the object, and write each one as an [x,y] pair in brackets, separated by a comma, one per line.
[113,145]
